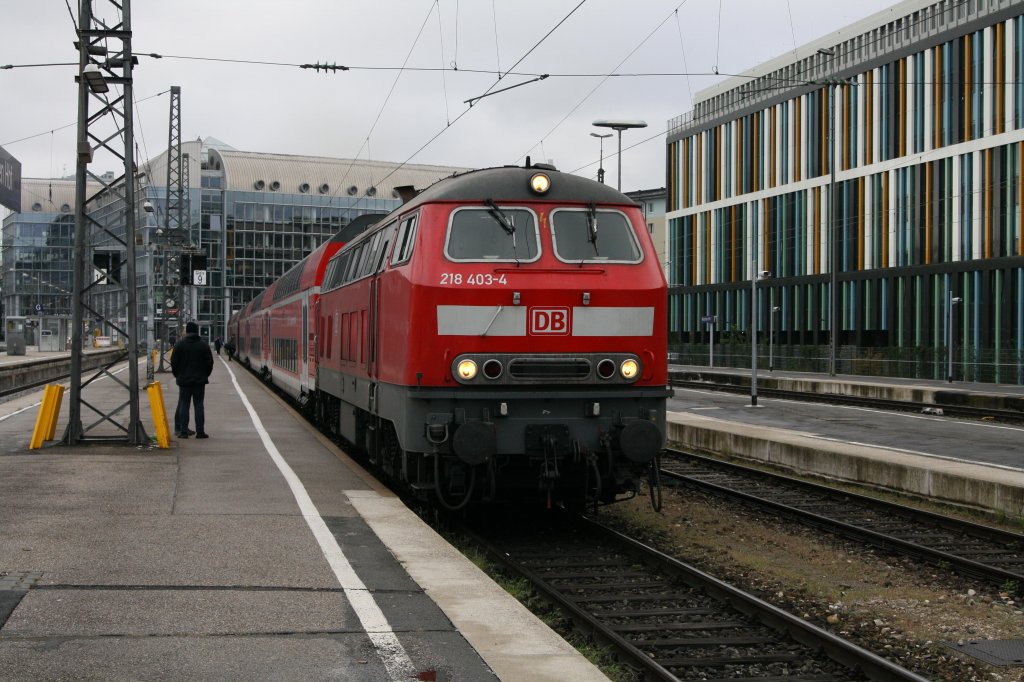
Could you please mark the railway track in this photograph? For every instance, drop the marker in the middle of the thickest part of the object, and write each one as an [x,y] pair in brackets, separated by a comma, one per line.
[1009,416]
[668,620]
[974,550]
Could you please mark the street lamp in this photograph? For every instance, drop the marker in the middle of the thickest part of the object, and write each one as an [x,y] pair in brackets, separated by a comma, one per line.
[771,338]
[150,308]
[953,300]
[620,126]
[600,166]
[834,250]
[764,274]
[94,79]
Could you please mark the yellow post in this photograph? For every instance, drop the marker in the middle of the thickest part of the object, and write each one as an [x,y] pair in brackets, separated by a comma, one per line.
[58,397]
[46,420]
[156,405]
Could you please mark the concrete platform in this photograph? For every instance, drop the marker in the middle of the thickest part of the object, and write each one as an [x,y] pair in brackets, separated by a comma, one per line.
[963,462]
[261,553]
[938,393]
[39,366]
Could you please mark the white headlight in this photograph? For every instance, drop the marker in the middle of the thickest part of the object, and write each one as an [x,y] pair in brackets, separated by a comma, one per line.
[466,369]
[540,183]
[629,369]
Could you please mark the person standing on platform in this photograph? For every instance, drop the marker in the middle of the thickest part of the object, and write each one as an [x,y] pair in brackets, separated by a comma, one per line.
[191,364]
[217,344]
[229,346]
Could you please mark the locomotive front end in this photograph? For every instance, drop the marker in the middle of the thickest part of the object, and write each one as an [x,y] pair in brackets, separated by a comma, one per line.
[546,373]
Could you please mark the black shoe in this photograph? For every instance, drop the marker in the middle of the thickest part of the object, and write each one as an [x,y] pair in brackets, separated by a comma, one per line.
[190,432]
[202,435]
[183,434]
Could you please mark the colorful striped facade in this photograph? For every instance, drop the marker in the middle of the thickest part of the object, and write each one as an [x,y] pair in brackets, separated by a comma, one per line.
[913,124]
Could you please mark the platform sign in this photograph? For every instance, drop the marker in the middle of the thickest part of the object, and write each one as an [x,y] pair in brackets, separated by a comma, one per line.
[199,278]
[10,181]
[709,319]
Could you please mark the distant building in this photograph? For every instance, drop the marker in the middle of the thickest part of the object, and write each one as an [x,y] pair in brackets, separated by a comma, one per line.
[252,215]
[652,202]
[923,104]
[37,247]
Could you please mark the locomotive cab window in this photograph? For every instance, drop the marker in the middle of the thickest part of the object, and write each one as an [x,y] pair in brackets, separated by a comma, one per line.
[492,234]
[592,236]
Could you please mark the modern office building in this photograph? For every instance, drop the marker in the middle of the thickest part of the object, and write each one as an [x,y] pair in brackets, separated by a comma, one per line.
[251,215]
[652,203]
[37,248]
[877,174]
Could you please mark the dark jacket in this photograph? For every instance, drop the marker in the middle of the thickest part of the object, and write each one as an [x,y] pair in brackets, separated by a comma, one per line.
[191,361]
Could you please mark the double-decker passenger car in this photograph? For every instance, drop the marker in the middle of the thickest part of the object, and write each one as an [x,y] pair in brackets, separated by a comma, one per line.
[500,335]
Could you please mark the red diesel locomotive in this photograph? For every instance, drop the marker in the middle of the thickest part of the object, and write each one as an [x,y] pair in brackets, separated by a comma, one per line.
[501,335]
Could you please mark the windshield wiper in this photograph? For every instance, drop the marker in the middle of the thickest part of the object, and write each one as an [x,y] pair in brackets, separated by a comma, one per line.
[592,226]
[505,221]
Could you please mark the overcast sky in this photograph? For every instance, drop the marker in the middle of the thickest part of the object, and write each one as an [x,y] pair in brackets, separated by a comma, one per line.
[284,109]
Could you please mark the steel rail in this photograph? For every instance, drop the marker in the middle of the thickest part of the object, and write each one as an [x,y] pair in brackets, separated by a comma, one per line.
[858,661]
[999,542]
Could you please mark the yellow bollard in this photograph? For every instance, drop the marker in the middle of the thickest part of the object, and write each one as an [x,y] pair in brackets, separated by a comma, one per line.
[58,397]
[46,420]
[156,405]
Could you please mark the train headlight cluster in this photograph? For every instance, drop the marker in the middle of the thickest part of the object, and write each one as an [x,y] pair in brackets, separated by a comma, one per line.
[540,183]
[466,369]
[505,369]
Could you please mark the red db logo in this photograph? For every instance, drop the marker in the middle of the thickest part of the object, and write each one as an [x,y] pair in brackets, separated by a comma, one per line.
[549,321]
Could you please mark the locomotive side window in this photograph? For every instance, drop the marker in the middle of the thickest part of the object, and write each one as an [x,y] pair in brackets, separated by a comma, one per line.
[382,251]
[353,263]
[329,275]
[593,236]
[370,256]
[492,234]
[405,241]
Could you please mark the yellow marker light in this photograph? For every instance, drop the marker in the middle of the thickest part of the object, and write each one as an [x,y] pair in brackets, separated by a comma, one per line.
[540,183]
[629,369]
[466,370]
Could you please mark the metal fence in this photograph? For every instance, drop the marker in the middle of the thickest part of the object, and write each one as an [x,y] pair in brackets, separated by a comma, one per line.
[969,363]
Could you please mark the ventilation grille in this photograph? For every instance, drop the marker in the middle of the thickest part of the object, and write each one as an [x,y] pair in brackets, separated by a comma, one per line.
[549,368]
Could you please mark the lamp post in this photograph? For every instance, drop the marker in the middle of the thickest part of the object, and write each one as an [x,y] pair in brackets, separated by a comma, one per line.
[600,166]
[771,338]
[150,308]
[764,274]
[833,306]
[953,300]
[620,126]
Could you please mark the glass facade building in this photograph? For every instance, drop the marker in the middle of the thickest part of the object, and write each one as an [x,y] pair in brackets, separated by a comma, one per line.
[252,215]
[37,248]
[879,170]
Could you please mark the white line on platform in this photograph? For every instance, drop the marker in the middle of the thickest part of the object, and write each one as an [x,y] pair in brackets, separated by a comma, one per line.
[373,620]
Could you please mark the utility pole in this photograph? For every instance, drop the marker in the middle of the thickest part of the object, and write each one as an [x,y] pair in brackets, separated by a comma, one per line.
[101,66]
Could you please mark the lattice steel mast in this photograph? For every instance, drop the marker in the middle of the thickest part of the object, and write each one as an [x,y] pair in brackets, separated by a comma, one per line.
[99,67]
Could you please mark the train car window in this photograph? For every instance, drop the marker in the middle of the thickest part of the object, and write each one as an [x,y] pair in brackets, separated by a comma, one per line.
[592,236]
[478,234]
[405,241]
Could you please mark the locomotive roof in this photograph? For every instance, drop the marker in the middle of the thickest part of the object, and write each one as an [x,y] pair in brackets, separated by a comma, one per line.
[512,183]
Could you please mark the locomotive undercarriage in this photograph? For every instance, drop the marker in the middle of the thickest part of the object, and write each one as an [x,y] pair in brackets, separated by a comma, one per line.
[459,451]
